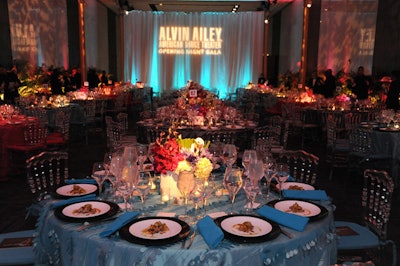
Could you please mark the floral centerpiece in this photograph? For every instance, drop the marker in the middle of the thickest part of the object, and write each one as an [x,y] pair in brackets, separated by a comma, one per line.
[194,97]
[172,155]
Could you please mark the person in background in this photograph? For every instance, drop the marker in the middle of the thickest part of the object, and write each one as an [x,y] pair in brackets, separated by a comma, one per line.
[316,83]
[330,84]
[392,100]
[93,78]
[76,79]
[11,91]
[361,84]
[55,82]
[104,78]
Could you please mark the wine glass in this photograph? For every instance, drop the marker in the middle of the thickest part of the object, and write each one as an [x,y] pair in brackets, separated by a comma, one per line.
[256,171]
[215,150]
[196,196]
[251,190]
[99,174]
[130,154]
[186,183]
[233,182]
[229,154]
[142,153]
[248,156]
[268,162]
[143,186]
[125,189]
[281,175]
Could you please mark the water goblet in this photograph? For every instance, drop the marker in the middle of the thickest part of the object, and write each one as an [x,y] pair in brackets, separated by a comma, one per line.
[229,154]
[251,190]
[143,186]
[281,175]
[185,184]
[256,171]
[196,196]
[233,183]
[125,189]
[142,153]
[248,156]
[99,175]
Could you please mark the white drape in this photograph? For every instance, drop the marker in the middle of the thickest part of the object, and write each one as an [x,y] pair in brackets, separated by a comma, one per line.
[240,60]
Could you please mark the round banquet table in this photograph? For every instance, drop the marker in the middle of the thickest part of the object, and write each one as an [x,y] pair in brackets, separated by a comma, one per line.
[59,242]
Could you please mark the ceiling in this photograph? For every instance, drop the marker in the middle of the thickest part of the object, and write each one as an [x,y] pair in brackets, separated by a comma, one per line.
[195,5]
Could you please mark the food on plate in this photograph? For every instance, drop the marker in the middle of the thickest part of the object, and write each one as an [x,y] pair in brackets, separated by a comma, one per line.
[296,208]
[156,228]
[246,227]
[76,189]
[86,209]
[295,187]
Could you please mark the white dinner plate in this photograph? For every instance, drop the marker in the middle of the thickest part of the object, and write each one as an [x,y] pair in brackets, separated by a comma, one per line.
[66,190]
[99,207]
[309,209]
[293,185]
[138,229]
[231,225]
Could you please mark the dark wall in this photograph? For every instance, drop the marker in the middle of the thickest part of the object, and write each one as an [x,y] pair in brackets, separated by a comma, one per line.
[313,37]
[387,38]
[5,36]
[112,43]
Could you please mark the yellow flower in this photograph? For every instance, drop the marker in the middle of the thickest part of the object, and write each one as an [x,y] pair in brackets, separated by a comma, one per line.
[183,166]
[204,168]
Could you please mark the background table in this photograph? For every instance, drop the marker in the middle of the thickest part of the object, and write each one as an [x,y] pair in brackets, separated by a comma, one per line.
[60,243]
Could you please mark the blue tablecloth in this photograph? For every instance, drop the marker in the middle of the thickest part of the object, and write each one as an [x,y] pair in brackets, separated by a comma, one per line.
[60,243]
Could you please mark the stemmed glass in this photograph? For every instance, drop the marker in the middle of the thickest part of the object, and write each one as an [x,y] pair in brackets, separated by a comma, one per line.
[281,175]
[99,174]
[215,151]
[251,190]
[125,189]
[248,156]
[196,196]
[186,183]
[142,153]
[229,154]
[233,183]
[256,171]
[143,186]
[269,173]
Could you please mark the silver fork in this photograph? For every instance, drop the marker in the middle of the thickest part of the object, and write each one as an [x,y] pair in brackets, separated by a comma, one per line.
[191,239]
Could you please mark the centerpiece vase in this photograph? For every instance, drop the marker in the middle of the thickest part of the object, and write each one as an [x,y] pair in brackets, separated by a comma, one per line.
[168,186]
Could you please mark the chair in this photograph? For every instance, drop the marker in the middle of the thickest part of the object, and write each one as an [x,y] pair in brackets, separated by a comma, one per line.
[366,241]
[224,136]
[362,155]
[337,147]
[116,134]
[18,255]
[267,138]
[123,119]
[303,166]
[34,142]
[351,122]
[45,172]
[58,138]
[38,112]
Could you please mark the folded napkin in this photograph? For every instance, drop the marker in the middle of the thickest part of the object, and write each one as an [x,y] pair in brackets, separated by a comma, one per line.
[210,232]
[80,181]
[305,194]
[292,221]
[72,200]
[118,223]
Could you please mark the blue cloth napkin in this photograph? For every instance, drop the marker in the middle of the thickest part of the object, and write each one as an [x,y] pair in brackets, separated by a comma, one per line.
[80,181]
[118,223]
[210,232]
[72,200]
[292,221]
[305,194]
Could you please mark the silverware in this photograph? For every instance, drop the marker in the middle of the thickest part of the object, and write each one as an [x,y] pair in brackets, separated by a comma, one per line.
[184,243]
[191,239]
[286,233]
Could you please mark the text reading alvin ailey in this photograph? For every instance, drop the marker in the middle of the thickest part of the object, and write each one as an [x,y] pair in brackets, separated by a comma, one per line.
[190,40]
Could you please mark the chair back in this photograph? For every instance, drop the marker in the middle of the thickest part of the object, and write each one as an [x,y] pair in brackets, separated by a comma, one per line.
[361,142]
[303,166]
[123,119]
[46,171]
[351,121]
[264,138]
[376,200]
[34,135]
[39,113]
[114,131]
[227,137]
[63,121]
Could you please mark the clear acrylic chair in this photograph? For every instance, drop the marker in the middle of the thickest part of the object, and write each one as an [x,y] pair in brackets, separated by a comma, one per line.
[366,242]
[303,166]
